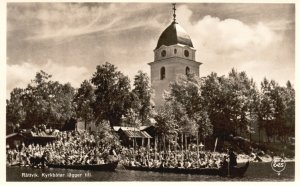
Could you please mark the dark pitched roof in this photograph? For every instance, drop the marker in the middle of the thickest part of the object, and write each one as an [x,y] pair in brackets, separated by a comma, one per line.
[13,135]
[174,34]
[136,134]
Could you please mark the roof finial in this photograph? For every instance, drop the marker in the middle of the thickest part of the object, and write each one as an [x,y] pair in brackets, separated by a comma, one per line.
[174,14]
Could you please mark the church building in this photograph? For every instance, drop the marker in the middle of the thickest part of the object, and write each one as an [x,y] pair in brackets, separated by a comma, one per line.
[173,55]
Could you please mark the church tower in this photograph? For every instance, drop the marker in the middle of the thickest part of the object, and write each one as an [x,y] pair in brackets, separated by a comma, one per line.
[173,55]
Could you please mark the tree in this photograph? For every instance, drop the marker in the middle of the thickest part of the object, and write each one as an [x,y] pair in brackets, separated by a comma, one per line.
[15,112]
[112,94]
[63,102]
[106,136]
[47,102]
[188,106]
[242,92]
[277,110]
[141,96]
[84,100]
[265,108]
[231,102]
[278,98]
[165,121]
[214,93]
[166,125]
[290,110]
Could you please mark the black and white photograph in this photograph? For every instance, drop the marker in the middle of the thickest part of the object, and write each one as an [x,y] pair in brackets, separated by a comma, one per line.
[149,91]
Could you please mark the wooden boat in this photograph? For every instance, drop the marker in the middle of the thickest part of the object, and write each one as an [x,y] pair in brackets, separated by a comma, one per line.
[233,171]
[99,167]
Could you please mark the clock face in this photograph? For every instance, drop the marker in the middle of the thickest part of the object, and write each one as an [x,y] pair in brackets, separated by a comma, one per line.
[163,53]
[186,53]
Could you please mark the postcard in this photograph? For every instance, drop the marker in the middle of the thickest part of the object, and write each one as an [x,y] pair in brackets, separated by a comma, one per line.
[140,91]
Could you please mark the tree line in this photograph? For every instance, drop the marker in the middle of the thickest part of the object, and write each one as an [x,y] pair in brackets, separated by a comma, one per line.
[211,106]
[105,98]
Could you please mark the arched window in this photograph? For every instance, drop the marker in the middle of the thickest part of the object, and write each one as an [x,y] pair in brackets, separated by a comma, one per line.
[162,73]
[163,53]
[187,70]
[186,53]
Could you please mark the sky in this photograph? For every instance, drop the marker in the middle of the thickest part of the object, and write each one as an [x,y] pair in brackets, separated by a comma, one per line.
[68,40]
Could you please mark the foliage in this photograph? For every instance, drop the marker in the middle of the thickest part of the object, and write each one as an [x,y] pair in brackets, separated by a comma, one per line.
[15,112]
[166,124]
[141,96]
[218,105]
[112,90]
[105,134]
[132,118]
[277,109]
[187,106]
[231,102]
[84,100]
[43,102]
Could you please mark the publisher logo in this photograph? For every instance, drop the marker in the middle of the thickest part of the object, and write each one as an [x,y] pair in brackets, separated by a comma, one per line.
[278,165]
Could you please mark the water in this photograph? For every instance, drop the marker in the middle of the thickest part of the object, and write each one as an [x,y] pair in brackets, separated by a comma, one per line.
[255,172]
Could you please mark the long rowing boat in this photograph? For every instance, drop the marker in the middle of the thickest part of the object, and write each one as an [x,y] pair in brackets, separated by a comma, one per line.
[232,171]
[99,167]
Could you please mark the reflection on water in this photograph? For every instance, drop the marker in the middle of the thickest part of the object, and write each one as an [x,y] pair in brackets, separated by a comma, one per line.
[255,172]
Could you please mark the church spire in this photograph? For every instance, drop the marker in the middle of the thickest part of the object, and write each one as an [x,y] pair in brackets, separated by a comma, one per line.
[174,13]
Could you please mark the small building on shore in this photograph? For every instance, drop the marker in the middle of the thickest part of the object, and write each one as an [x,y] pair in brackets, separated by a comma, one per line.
[15,139]
[28,137]
[133,136]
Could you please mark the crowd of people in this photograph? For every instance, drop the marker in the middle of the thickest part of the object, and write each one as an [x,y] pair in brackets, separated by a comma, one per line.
[42,130]
[75,148]
[69,148]
[143,157]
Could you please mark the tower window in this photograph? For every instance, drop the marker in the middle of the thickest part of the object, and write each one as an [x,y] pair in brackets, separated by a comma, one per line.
[186,53]
[175,51]
[162,73]
[163,53]
[187,70]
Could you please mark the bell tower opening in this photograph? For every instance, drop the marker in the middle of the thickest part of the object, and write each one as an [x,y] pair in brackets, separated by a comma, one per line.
[162,73]
[187,71]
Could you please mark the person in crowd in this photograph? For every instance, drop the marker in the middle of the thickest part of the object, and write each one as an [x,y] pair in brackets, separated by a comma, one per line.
[232,158]
[224,163]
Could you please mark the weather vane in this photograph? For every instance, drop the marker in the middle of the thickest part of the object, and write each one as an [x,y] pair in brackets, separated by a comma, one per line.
[174,14]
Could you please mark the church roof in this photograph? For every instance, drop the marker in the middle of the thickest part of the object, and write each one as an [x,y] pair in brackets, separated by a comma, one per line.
[174,34]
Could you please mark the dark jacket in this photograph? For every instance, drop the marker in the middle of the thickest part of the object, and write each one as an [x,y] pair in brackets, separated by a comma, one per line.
[232,159]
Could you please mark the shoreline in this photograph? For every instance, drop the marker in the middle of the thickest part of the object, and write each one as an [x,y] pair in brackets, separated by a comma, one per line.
[242,158]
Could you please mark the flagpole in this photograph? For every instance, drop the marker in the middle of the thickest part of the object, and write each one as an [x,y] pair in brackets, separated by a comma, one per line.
[228,164]
[216,142]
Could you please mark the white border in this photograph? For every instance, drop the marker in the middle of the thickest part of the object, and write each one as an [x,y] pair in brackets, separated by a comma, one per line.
[3,95]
